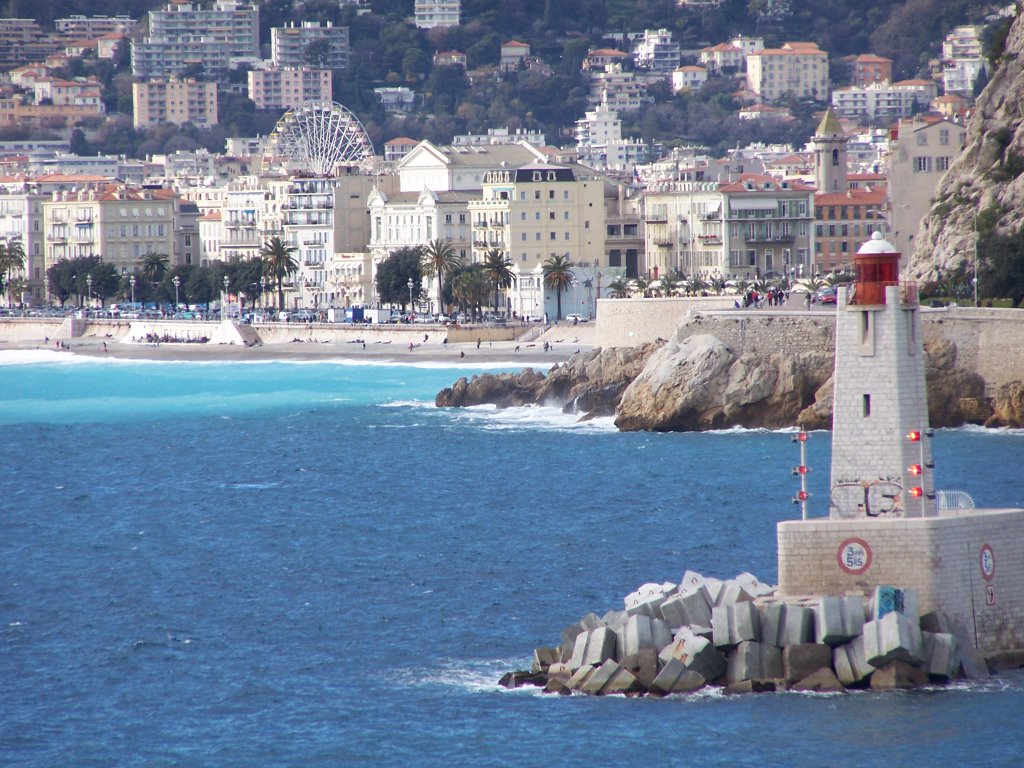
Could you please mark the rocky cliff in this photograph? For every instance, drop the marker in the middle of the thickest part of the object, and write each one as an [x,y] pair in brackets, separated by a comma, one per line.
[698,382]
[984,187]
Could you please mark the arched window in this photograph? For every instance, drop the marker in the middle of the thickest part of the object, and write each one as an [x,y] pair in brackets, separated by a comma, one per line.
[835,157]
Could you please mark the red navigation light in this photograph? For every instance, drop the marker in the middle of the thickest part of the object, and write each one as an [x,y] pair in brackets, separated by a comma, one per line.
[916,492]
[801,470]
[914,436]
[914,469]
[802,495]
[800,437]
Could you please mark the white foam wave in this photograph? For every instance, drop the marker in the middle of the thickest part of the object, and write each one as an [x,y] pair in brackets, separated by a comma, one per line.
[39,356]
[529,418]
[979,429]
[480,676]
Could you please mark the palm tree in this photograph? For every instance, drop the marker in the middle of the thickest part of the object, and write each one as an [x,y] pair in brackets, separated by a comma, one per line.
[642,285]
[498,268]
[558,276]
[618,288]
[470,288]
[718,285]
[279,262]
[12,259]
[669,285]
[439,258]
[153,266]
[696,285]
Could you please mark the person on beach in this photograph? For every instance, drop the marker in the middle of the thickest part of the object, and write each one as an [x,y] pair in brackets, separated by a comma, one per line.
[462,353]
[478,343]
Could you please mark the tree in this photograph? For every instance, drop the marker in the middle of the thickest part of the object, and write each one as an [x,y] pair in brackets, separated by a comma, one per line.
[105,281]
[152,268]
[498,268]
[12,259]
[618,288]
[1002,268]
[470,288]
[395,272]
[439,258]
[642,285]
[279,263]
[558,276]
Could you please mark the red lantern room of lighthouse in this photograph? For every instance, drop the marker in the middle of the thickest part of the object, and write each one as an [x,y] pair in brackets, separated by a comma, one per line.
[881,456]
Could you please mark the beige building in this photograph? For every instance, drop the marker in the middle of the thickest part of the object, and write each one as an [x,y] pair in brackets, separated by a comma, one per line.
[119,223]
[532,213]
[437,13]
[288,87]
[797,68]
[174,101]
[920,152]
[290,46]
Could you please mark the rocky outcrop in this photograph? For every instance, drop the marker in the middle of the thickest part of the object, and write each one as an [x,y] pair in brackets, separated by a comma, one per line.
[697,383]
[985,176]
[589,383]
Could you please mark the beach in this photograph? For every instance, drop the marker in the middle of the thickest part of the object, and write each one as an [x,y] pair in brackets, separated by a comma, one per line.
[562,342]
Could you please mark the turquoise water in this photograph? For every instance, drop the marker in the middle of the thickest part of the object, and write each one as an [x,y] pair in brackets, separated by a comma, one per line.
[309,564]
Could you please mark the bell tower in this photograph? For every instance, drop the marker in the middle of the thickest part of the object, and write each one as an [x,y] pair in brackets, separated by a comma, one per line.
[829,143]
[881,453]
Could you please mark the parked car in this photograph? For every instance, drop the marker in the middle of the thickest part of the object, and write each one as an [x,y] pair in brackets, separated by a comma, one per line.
[826,295]
[575,318]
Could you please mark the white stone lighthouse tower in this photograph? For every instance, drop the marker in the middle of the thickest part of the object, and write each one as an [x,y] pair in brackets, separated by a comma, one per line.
[881,453]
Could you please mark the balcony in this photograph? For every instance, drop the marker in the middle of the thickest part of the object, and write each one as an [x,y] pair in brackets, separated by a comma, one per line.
[759,238]
[710,239]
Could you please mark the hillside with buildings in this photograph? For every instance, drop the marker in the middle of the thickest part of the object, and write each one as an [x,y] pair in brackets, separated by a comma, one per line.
[650,164]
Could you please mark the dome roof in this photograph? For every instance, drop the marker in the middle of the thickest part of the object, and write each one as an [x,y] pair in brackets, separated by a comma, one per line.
[877,244]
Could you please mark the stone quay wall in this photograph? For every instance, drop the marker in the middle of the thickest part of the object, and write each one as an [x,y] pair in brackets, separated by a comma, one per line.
[965,563]
[988,341]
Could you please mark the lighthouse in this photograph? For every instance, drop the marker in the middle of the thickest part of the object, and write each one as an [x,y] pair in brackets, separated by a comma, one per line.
[881,442]
[883,522]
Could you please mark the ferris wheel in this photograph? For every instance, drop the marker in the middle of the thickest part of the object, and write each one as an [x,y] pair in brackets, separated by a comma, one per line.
[319,136]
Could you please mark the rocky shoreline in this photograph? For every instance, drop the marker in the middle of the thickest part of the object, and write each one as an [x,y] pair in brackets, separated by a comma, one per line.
[697,382]
[737,635]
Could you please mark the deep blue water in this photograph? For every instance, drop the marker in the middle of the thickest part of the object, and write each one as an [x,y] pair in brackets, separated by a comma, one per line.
[305,565]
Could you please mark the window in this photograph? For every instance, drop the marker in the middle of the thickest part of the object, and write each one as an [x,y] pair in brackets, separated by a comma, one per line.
[552,235]
[866,403]
[566,235]
[922,164]
[462,218]
[565,195]
[615,258]
[523,237]
[536,194]
[941,163]
[551,194]
[944,136]
[551,215]
[522,216]
[922,139]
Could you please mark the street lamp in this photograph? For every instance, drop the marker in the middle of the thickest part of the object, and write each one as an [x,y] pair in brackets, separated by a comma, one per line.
[88,282]
[224,304]
[177,284]
[409,283]
[265,284]
[131,282]
[46,288]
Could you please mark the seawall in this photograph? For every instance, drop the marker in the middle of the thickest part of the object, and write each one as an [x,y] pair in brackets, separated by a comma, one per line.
[988,341]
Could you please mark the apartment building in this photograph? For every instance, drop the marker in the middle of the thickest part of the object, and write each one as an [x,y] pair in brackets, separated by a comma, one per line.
[23,40]
[884,100]
[216,36]
[428,14]
[21,219]
[310,44]
[799,69]
[174,101]
[91,27]
[532,213]
[619,90]
[724,56]
[599,142]
[869,69]
[288,87]
[656,52]
[921,150]
[688,78]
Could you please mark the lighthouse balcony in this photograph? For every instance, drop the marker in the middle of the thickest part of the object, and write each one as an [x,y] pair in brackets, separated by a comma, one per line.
[873,293]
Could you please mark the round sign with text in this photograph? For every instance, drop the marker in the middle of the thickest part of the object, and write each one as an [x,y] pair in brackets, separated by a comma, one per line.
[854,556]
[987,561]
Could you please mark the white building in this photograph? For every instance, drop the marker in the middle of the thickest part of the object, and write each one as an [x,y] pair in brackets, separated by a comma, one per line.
[214,35]
[600,145]
[618,90]
[689,78]
[656,52]
[290,45]
[436,13]
[21,219]
[396,99]
[884,100]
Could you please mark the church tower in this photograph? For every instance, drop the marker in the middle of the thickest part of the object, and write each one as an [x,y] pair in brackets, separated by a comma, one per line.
[829,143]
[881,454]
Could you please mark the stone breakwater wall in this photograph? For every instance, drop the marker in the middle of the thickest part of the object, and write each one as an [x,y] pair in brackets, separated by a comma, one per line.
[987,341]
[740,635]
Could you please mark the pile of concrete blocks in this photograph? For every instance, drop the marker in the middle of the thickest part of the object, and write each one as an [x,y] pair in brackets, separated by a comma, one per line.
[677,638]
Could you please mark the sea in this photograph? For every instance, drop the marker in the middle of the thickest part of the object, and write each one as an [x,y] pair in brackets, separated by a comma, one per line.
[309,564]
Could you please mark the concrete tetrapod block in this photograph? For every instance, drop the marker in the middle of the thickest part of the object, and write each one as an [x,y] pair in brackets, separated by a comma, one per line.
[849,662]
[579,677]
[839,619]
[894,637]
[732,593]
[897,675]
[800,661]
[676,677]
[972,661]
[637,635]
[754,661]
[782,624]
[696,653]
[887,599]
[608,678]
[690,580]
[593,647]
[734,624]
[822,681]
[543,658]
[941,654]
[690,607]
[752,586]
[646,600]
[570,633]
